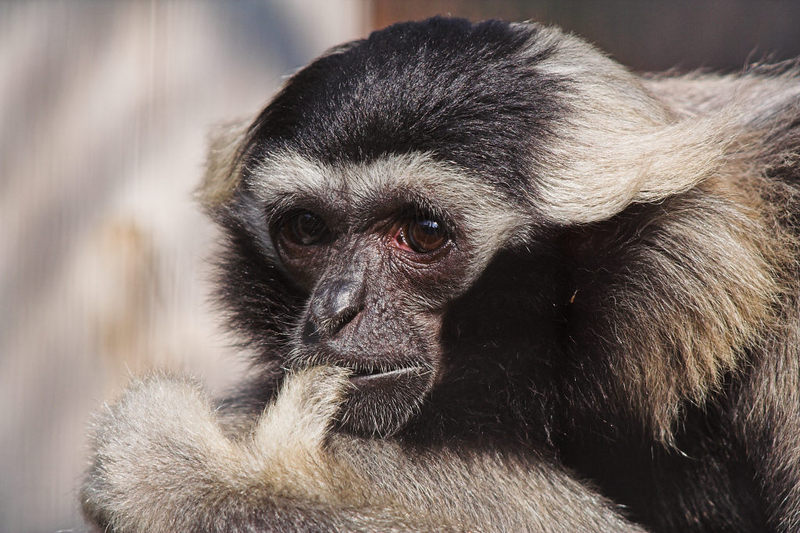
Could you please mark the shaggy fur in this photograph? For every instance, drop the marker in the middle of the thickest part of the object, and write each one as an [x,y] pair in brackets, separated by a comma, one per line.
[607,340]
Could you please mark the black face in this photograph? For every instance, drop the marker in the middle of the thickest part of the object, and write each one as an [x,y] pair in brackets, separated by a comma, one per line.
[374,300]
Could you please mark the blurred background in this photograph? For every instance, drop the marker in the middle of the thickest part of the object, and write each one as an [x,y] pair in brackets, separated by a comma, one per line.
[104,109]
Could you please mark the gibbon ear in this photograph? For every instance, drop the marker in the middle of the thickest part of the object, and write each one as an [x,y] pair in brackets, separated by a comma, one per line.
[223,164]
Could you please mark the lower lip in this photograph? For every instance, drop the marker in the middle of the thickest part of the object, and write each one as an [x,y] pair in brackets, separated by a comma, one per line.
[384,377]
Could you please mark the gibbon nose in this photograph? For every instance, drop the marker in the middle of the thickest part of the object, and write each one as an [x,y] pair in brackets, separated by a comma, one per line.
[332,307]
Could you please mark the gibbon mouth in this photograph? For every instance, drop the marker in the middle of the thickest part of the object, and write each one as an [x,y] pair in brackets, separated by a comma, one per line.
[377,376]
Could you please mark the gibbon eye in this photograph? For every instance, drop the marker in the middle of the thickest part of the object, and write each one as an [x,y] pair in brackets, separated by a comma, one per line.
[425,235]
[304,228]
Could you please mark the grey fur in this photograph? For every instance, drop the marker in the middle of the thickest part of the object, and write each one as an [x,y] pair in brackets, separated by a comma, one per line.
[162,464]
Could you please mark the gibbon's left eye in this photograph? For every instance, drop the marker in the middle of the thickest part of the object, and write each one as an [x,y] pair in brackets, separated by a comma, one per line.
[304,229]
[423,235]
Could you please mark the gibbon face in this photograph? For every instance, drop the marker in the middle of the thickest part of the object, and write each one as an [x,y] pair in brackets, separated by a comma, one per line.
[375,252]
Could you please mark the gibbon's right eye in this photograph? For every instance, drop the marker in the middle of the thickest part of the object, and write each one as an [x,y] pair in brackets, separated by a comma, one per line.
[304,228]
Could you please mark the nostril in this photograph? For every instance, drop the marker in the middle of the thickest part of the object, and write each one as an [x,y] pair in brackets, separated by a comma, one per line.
[310,332]
[344,317]
[334,305]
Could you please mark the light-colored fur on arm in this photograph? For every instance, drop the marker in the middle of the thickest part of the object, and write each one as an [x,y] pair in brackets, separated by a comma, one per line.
[162,463]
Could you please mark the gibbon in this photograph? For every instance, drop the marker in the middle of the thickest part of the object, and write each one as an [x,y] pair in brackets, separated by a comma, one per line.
[493,281]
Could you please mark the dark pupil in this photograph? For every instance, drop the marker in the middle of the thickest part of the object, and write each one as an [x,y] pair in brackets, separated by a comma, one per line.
[426,235]
[307,228]
[429,227]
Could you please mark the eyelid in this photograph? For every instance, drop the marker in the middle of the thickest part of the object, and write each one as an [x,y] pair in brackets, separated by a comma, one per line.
[285,204]
[277,213]
[373,209]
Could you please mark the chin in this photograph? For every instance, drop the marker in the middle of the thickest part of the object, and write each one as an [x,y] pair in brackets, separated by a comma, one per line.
[381,403]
